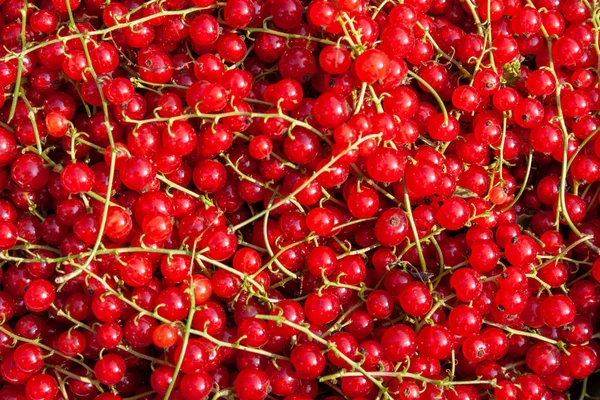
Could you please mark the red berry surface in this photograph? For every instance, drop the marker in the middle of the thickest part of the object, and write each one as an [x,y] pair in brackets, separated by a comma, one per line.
[299,200]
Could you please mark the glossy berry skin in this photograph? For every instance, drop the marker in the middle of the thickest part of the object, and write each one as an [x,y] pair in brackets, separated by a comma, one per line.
[392,227]
[8,235]
[372,65]
[260,147]
[41,387]
[209,176]
[506,390]
[363,203]
[322,261]
[331,110]
[321,221]
[581,361]
[110,369]
[71,343]
[475,348]
[335,60]
[39,295]
[321,308]
[195,355]
[523,250]
[109,335]
[464,320]
[557,311]
[8,147]
[466,98]
[484,255]
[28,358]
[399,342]
[380,304]
[291,311]
[498,342]
[385,165]
[161,378]
[77,178]
[453,214]
[307,360]
[298,199]
[137,173]
[255,331]
[196,385]
[466,283]
[29,173]
[434,342]
[252,384]
[204,30]
[415,299]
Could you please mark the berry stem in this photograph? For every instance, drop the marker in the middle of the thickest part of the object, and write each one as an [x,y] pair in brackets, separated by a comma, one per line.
[123,347]
[31,116]
[305,184]
[103,32]
[432,92]
[43,346]
[442,53]
[330,346]
[413,227]
[375,99]
[288,36]
[23,38]
[475,16]
[274,258]
[559,256]
[408,375]
[584,394]
[522,333]
[140,396]
[84,379]
[187,330]
[523,185]
[156,316]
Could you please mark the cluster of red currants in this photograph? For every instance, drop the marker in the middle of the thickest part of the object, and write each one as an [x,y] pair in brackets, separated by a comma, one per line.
[338,199]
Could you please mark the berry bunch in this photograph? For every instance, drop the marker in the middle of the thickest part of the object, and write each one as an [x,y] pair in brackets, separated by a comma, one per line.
[339,199]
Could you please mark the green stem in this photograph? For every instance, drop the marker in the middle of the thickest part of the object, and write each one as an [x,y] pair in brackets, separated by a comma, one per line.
[268,245]
[375,99]
[288,35]
[409,375]
[125,348]
[413,227]
[523,333]
[186,333]
[102,32]
[523,185]
[31,116]
[442,53]
[158,317]
[140,396]
[432,91]
[314,176]
[361,98]
[113,155]
[48,349]
[23,36]
[79,378]
[585,381]
[331,347]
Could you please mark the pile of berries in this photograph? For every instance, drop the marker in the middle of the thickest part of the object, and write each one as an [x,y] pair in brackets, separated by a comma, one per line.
[294,199]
